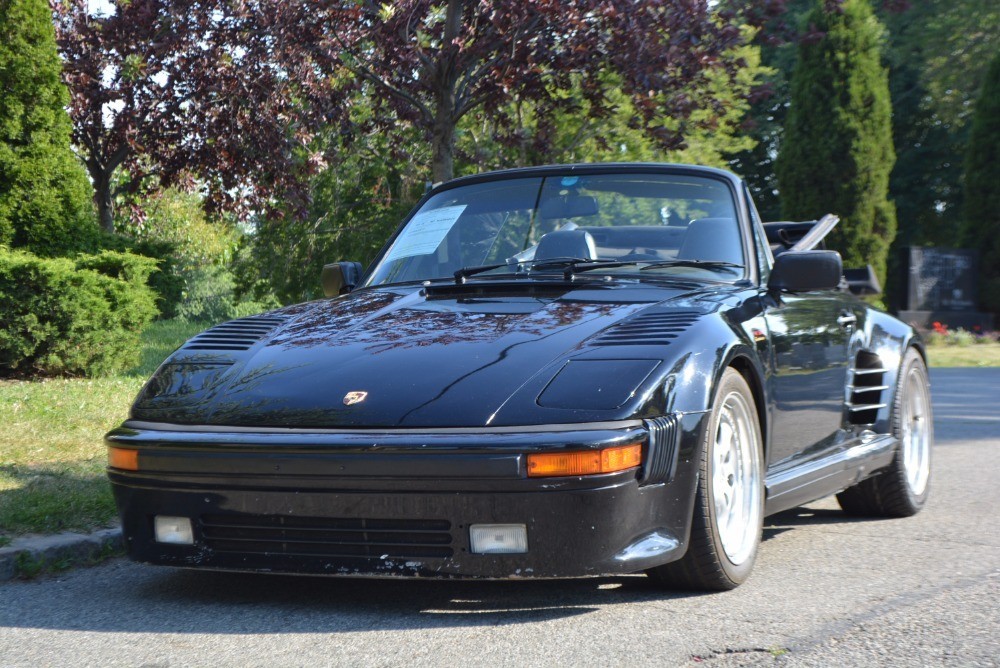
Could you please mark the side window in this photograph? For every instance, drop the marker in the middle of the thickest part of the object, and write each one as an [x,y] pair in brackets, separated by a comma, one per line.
[763,250]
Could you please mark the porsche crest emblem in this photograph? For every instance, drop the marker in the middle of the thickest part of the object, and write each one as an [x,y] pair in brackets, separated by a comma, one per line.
[355,397]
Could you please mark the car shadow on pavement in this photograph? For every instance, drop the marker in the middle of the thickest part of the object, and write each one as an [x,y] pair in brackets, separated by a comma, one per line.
[120,596]
[125,597]
[807,516]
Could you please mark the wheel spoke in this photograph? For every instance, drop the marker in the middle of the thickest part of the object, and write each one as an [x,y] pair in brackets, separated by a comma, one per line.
[736,480]
[914,431]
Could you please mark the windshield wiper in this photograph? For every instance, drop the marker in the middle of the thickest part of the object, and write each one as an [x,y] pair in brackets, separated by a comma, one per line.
[712,265]
[465,272]
[572,265]
[580,265]
[576,265]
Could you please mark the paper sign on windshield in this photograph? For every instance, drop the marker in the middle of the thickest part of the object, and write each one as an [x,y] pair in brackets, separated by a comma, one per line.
[425,232]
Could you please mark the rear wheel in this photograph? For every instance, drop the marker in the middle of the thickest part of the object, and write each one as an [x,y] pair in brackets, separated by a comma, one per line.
[901,490]
[729,503]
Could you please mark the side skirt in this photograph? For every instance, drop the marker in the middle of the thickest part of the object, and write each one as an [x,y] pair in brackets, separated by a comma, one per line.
[817,478]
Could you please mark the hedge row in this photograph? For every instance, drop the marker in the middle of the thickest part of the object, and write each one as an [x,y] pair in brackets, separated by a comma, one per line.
[80,316]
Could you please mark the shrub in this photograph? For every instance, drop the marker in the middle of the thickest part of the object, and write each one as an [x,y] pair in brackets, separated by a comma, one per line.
[195,282]
[210,296]
[45,197]
[960,337]
[64,317]
[936,338]
[837,151]
[985,337]
[167,283]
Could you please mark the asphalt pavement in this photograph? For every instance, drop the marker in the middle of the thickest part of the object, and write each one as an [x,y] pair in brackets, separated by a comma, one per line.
[827,590]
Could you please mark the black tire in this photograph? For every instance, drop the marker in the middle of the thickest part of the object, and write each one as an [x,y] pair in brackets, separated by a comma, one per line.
[891,492]
[706,566]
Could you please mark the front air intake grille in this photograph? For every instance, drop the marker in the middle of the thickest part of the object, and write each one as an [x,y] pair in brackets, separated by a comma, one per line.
[239,334]
[650,329]
[867,390]
[661,453]
[327,537]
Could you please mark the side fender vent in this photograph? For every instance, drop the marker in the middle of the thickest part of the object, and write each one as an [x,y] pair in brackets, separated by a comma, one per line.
[649,329]
[661,455]
[234,335]
[866,389]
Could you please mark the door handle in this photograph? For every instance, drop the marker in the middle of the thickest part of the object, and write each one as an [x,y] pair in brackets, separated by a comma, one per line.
[847,320]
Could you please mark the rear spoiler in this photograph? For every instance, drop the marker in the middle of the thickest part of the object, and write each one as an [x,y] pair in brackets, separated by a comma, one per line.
[807,235]
[799,236]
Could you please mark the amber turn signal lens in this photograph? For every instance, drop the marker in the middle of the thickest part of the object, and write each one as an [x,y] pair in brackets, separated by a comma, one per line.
[587,462]
[119,458]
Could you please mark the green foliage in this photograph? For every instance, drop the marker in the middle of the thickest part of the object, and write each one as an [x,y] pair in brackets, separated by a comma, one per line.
[357,202]
[938,54]
[956,40]
[60,317]
[210,296]
[837,151]
[925,183]
[764,123]
[982,186]
[166,283]
[366,190]
[570,133]
[45,197]
[195,281]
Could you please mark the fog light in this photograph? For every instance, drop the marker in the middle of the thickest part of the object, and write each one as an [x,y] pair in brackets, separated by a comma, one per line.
[498,538]
[176,530]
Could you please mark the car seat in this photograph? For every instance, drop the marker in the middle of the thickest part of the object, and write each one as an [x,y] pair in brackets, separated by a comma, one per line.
[712,239]
[566,243]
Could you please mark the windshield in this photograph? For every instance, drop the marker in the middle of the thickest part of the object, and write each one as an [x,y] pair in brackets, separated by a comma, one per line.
[658,224]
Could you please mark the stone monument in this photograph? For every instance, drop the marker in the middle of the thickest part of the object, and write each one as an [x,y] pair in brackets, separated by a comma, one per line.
[941,286]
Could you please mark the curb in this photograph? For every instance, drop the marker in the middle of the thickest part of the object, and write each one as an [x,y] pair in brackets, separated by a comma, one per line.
[30,555]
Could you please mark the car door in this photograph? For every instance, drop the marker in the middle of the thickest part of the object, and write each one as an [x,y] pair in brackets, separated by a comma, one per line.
[810,334]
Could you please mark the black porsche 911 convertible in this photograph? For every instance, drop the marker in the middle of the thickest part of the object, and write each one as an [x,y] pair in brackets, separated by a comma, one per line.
[547,372]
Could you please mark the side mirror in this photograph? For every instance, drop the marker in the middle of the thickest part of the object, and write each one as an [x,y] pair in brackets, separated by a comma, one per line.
[340,278]
[804,271]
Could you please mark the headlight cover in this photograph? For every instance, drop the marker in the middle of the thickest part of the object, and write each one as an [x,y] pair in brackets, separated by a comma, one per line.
[596,384]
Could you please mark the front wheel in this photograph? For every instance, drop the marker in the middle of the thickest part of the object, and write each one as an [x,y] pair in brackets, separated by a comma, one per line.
[729,503]
[901,490]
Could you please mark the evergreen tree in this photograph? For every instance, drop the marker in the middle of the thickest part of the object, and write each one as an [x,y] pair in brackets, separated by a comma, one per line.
[45,197]
[837,151]
[982,186]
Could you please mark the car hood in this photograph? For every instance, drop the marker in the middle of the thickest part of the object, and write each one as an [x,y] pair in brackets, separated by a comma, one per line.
[391,358]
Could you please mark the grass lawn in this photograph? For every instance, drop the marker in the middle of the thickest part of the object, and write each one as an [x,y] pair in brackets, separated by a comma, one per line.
[52,456]
[977,354]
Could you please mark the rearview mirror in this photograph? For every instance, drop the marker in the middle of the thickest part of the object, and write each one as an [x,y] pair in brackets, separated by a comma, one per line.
[340,278]
[570,206]
[804,271]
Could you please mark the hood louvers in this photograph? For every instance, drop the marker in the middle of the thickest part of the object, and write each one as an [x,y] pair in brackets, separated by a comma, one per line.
[650,329]
[235,335]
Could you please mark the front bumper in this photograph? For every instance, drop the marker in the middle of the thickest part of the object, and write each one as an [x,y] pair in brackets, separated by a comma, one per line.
[400,503]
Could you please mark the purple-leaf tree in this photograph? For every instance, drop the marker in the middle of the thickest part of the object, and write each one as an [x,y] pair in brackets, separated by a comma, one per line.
[168,92]
[430,63]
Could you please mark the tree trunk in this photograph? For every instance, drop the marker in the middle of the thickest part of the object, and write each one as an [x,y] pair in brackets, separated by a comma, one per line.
[443,132]
[443,139]
[104,199]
